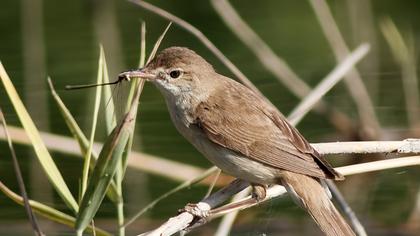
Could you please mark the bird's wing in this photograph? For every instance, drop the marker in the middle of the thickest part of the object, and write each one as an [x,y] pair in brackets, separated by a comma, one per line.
[237,119]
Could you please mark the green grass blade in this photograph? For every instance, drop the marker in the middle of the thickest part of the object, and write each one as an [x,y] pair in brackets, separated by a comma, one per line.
[107,164]
[98,94]
[41,151]
[102,174]
[81,138]
[48,212]
[108,100]
[71,123]
[142,44]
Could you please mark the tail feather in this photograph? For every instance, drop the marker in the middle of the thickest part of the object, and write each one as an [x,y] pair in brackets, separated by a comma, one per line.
[310,195]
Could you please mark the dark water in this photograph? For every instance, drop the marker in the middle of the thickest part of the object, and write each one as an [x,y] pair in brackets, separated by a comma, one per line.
[60,39]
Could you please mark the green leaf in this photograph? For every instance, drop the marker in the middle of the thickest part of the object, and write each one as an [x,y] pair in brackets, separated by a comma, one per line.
[110,117]
[81,138]
[98,93]
[41,151]
[105,169]
[47,211]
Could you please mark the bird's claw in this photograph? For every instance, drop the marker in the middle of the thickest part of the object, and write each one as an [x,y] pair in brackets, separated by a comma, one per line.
[200,211]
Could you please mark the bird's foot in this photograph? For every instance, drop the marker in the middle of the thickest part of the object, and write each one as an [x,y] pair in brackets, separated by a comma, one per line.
[259,192]
[200,211]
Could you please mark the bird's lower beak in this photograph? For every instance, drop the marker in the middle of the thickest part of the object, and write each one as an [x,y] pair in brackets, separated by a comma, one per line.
[137,73]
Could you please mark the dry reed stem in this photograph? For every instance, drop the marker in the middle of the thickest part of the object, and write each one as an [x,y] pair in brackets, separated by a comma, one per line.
[181,172]
[183,220]
[327,83]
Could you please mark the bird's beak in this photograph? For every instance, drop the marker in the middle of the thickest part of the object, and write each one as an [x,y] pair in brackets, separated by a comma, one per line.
[141,73]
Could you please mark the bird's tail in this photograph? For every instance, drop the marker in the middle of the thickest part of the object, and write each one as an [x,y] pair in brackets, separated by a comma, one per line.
[309,194]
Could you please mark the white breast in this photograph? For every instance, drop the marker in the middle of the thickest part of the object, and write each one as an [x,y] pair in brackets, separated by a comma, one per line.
[228,161]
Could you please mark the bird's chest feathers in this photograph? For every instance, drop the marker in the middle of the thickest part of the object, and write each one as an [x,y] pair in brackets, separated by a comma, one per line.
[181,112]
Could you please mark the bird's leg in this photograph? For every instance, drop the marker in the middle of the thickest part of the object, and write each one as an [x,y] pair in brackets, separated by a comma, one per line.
[258,193]
[202,209]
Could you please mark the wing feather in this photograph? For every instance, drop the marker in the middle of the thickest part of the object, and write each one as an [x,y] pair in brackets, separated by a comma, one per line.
[237,119]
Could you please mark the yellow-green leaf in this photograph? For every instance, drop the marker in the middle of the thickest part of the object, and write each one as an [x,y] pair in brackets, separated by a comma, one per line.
[41,151]
[81,138]
[48,212]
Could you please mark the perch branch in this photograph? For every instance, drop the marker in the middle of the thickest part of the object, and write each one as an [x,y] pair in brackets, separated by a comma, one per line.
[183,172]
[183,220]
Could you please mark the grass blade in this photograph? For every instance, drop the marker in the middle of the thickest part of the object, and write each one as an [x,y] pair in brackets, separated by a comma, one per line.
[48,212]
[43,155]
[98,93]
[102,174]
[142,45]
[80,138]
[110,115]
[107,164]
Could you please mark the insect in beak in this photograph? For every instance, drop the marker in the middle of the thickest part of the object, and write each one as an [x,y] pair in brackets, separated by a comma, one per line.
[138,73]
[124,76]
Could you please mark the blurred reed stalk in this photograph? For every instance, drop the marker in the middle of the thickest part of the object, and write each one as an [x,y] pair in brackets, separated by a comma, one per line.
[404,52]
[354,82]
[277,65]
[361,13]
[34,73]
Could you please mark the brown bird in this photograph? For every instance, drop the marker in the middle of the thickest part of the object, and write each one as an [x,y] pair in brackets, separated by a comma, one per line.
[242,134]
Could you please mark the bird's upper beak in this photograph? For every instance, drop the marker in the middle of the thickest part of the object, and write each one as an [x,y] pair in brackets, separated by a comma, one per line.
[137,73]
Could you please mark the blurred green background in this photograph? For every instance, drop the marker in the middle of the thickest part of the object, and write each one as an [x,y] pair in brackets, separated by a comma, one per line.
[60,39]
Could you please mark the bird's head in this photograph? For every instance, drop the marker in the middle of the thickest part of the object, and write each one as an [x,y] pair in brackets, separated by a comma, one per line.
[175,70]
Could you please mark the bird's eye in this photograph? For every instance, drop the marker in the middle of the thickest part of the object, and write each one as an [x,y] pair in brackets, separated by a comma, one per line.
[175,73]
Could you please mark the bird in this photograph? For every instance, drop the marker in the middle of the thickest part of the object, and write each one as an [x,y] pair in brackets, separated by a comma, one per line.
[242,134]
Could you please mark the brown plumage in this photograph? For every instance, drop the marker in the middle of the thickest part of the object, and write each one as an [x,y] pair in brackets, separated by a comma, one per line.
[242,134]
[236,118]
